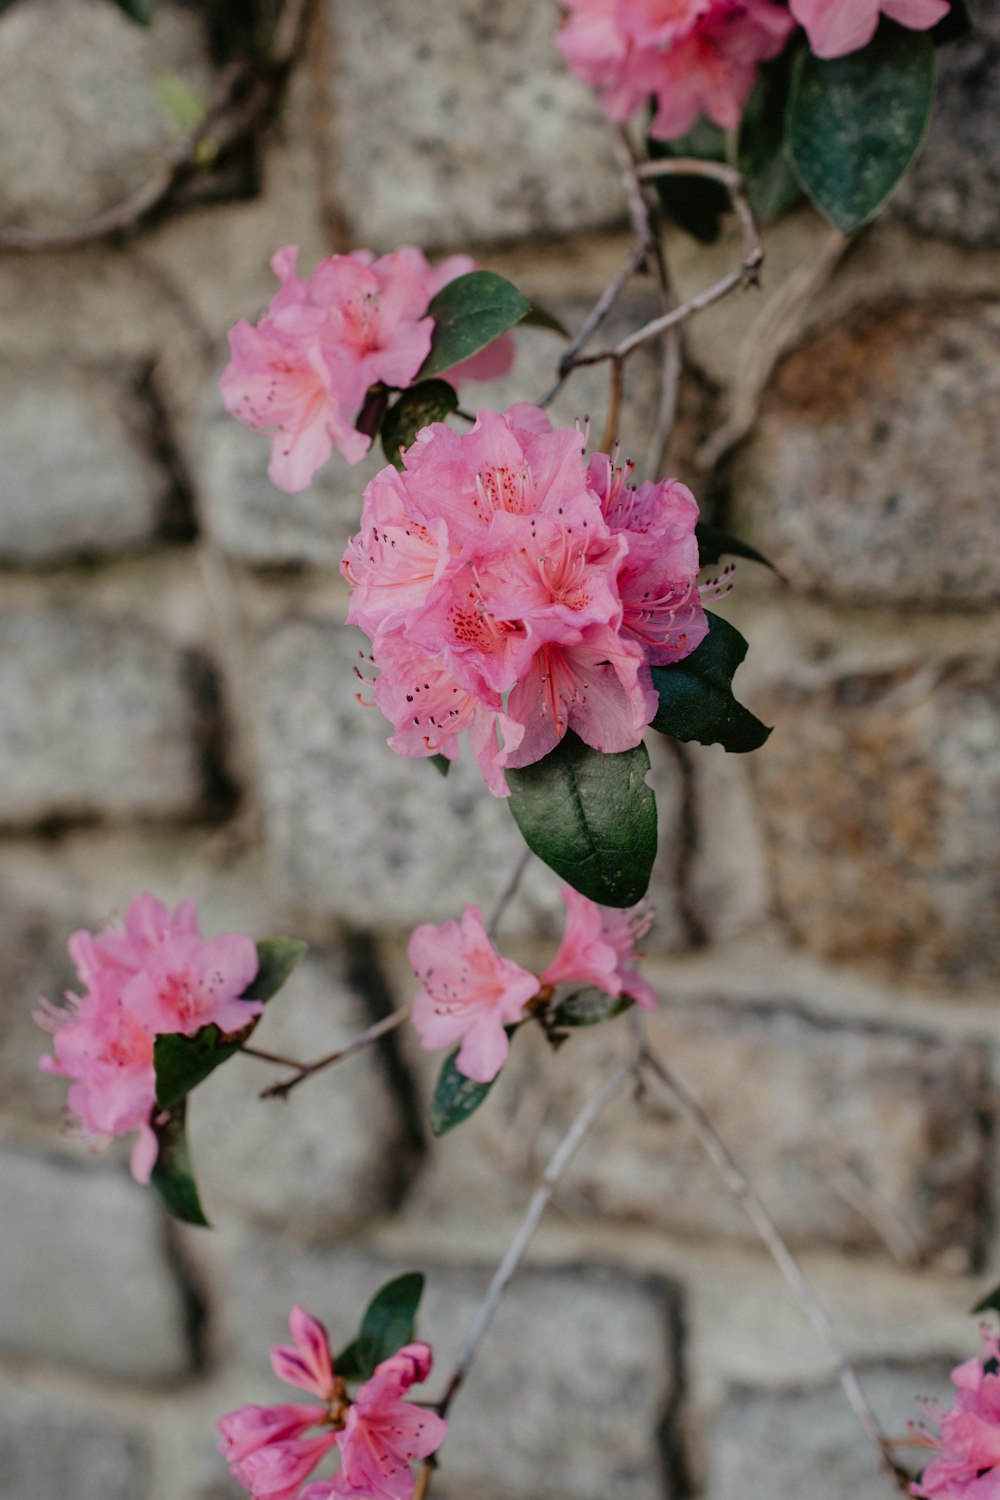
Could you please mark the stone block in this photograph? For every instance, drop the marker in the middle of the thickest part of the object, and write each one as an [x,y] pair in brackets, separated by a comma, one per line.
[857,1137]
[86,1277]
[778,1445]
[358,833]
[79,475]
[871,474]
[332,1156]
[578,1351]
[81,125]
[103,718]
[480,135]
[880,795]
[51,1446]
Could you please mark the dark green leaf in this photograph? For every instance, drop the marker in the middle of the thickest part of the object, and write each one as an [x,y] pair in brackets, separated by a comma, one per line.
[370,417]
[469,313]
[6,4]
[455,1096]
[428,401]
[989,1303]
[771,183]
[386,1326]
[588,1008]
[714,544]
[856,123]
[696,695]
[173,1174]
[441,763]
[539,317]
[182,1062]
[138,10]
[590,817]
[695,204]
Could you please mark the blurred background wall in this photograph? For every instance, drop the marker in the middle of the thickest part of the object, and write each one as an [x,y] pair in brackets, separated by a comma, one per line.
[177,714]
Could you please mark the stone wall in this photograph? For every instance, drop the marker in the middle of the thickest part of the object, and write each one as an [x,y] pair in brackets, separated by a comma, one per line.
[178,715]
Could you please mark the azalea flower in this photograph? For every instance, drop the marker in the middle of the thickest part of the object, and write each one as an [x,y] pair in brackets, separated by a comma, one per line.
[836,27]
[598,948]
[968,1463]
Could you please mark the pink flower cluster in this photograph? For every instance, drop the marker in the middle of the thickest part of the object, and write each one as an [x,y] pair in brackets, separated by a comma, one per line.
[514,591]
[469,993]
[270,1449]
[304,371]
[152,975]
[968,1463]
[699,57]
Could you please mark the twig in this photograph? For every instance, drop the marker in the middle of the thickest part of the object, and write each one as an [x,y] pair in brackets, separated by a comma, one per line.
[731,180]
[594,319]
[738,1183]
[245,91]
[508,893]
[672,319]
[271,1057]
[614,405]
[306,1070]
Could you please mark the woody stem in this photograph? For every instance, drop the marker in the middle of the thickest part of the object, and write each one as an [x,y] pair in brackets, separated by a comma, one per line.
[306,1070]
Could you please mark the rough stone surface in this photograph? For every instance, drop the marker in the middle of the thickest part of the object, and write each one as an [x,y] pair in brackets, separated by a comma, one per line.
[352,825]
[864,1138]
[954,190]
[768,1445]
[332,1156]
[49,1447]
[605,1384]
[78,479]
[92,1285]
[102,718]
[33,961]
[482,134]
[881,798]
[872,473]
[81,124]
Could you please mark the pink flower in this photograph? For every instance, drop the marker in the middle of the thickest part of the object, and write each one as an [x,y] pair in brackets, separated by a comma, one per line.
[149,976]
[836,27]
[598,948]
[467,993]
[968,1462]
[382,1433]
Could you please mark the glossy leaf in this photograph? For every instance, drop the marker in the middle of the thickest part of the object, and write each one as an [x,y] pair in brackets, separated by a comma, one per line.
[141,11]
[856,123]
[695,204]
[989,1303]
[387,1325]
[696,694]
[441,764]
[469,313]
[540,317]
[182,1062]
[428,401]
[588,1008]
[714,545]
[590,817]
[762,156]
[455,1096]
[173,1174]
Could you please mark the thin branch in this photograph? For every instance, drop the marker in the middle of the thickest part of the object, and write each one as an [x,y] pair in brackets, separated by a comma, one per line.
[594,319]
[271,1057]
[365,1039]
[672,319]
[614,405]
[738,1183]
[508,893]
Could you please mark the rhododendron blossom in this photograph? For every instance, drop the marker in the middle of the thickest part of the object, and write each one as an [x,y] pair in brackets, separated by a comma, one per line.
[598,948]
[151,975]
[512,590]
[272,1452]
[304,371]
[968,1463]
[467,993]
[836,27]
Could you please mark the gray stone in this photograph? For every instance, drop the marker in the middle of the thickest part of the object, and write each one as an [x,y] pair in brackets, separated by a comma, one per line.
[581,1352]
[102,718]
[954,189]
[78,477]
[81,124]
[871,474]
[332,1156]
[880,795]
[481,134]
[778,1445]
[50,1446]
[34,961]
[91,1283]
[864,1138]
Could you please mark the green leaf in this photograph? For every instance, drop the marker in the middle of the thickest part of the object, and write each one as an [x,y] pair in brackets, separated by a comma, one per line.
[182,1062]
[441,763]
[455,1096]
[696,695]
[989,1303]
[469,313]
[695,204]
[771,183]
[588,1008]
[590,817]
[540,317]
[427,401]
[386,1326]
[173,1174]
[141,11]
[714,544]
[855,123]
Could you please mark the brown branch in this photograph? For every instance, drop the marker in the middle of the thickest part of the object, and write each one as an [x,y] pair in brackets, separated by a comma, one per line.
[594,319]
[508,893]
[614,404]
[365,1039]
[271,1057]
